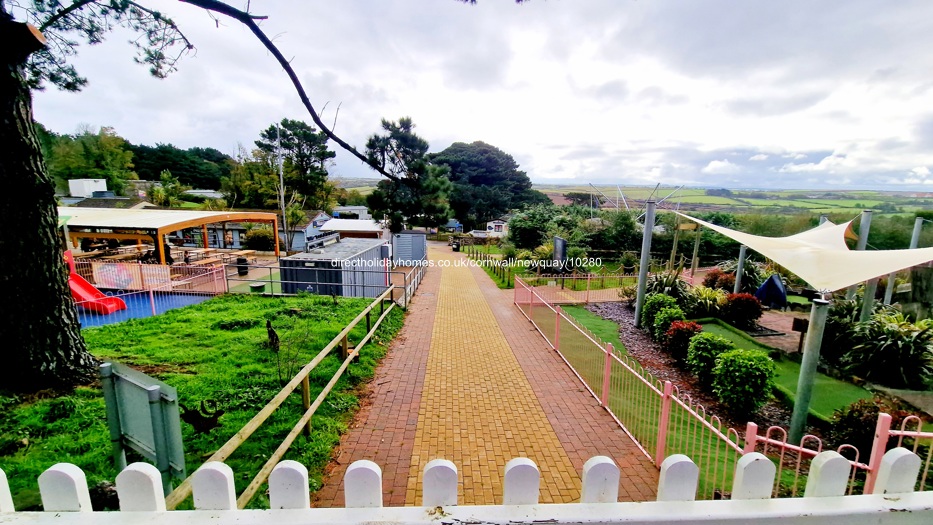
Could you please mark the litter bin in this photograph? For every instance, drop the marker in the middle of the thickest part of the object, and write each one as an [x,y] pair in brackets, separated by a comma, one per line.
[456,246]
[241,267]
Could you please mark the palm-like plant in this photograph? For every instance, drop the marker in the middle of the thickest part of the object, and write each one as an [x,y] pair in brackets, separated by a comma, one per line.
[892,351]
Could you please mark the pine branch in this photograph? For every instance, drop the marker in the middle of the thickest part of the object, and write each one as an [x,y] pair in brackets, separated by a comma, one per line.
[248,20]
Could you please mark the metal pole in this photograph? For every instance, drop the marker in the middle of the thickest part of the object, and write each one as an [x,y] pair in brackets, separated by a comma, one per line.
[113,415]
[645,261]
[676,240]
[158,434]
[914,242]
[811,357]
[695,262]
[863,227]
[740,269]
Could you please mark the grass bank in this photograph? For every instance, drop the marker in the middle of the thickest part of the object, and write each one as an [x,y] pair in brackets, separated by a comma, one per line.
[214,352]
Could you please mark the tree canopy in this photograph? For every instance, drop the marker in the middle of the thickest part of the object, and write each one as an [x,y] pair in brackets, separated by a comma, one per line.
[487,182]
[305,160]
[418,194]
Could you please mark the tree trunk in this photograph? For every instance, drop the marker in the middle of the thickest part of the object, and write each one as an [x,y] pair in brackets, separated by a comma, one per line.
[39,330]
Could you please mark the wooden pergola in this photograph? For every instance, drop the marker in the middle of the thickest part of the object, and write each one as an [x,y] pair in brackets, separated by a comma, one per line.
[153,225]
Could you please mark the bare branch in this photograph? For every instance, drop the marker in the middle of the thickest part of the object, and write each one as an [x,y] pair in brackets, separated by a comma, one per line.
[249,21]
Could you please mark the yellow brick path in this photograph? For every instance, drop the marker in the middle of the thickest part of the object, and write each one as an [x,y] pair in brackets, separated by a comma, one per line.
[477,408]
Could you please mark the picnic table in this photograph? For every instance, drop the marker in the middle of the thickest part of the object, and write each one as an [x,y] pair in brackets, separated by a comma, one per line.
[207,261]
[121,257]
[239,253]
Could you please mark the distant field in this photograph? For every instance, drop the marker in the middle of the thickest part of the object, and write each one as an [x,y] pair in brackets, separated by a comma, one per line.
[751,201]
[781,202]
[708,199]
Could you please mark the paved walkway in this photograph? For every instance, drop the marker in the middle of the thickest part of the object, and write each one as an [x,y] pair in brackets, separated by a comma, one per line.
[470,380]
[781,322]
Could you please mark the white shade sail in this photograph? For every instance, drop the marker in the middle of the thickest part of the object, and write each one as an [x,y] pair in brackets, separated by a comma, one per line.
[821,258]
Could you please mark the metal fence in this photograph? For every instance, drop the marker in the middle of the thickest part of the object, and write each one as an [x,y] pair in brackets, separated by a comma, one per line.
[252,278]
[663,421]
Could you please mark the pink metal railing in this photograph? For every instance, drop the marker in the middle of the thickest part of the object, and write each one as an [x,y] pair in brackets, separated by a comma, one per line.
[663,421]
[186,285]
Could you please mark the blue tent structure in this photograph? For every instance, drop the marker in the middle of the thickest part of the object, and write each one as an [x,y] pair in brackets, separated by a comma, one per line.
[772,293]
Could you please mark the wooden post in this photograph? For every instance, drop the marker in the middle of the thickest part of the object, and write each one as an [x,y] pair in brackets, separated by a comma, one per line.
[306,400]
[344,348]
[369,325]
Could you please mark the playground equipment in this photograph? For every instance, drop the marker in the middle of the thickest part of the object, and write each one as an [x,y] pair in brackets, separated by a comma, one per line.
[90,298]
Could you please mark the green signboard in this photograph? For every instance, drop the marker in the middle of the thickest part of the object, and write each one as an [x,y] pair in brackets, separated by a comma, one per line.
[142,414]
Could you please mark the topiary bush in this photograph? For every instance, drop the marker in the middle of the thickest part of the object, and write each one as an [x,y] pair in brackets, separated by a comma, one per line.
[892,351]
[742,310]
[663,320]
[743,380]
[678,336]
[702,352]
[654,303]
[260,239]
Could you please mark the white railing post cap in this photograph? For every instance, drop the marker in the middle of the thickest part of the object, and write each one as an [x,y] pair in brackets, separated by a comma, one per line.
[362,485]
[600,481]
[139,488]
[522,482]
[439,484]
[679,478]
[288,486]
[63,488]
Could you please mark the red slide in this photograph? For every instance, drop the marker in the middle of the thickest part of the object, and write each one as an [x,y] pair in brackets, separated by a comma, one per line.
[90,298]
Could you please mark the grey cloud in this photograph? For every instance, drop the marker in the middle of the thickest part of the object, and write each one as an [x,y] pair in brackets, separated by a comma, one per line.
[773,105]
[657,96]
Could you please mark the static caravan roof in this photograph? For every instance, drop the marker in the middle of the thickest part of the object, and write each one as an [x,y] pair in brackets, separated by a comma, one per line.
[344,249]
[351,225]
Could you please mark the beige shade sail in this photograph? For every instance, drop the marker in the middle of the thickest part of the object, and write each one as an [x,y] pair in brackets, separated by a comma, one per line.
[821,258]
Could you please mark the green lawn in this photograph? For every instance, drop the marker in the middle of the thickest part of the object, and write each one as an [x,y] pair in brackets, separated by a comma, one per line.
[829,394]
[272,280]
[211,352]
[606,330]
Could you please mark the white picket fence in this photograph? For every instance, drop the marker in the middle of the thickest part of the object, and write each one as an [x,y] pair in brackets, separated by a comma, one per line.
[65,498]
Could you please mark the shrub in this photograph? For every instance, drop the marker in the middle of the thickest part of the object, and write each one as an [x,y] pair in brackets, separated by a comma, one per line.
[719,279]
[840,332]
[726,282]
[855,424]
[678,337]
[668,283]
[261,239]
[702,352]
[743,380]
[654,303]
[712,277]
[663,320]
[892,351]
[742,310]
[706,302]
[752,275]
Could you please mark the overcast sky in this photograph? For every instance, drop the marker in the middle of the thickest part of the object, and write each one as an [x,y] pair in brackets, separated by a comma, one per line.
[760,94]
